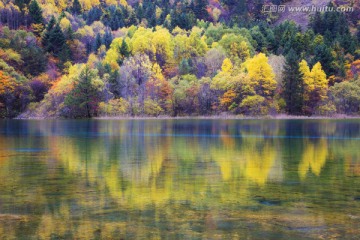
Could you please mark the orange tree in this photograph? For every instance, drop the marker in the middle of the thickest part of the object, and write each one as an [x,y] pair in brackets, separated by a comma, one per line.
[7,91]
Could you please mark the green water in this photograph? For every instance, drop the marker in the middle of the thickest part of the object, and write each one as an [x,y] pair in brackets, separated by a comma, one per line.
[180,179]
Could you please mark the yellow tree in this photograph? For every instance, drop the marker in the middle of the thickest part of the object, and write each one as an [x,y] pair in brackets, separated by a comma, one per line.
[65,24]
[261,75]
[315,85]
[187,47]
[181,48]
[227,66]
[87,4]
[236,47]
[197,42]
[164,49]
[115,2]
[307,78]
[224,79]
[113,55]
[320,81]
[142,42]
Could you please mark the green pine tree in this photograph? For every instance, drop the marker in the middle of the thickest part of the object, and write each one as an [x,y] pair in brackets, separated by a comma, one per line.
[317,23]
[69,33]
[132,19]
[322,54]
[124,49]
[108,38]
[35,12]
[21,3]
[200,9]
[83,100]
[76,7]
[64,55]
[293,85]
[47,32]
[98,42]
[53,38]
[57,40]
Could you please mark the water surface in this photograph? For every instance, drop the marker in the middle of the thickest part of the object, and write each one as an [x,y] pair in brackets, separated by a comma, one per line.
[180,179]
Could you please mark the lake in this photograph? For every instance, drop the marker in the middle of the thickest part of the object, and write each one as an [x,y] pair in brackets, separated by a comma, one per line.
[180,179]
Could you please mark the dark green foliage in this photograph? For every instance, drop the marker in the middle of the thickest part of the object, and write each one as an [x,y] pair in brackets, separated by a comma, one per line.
[35,12]
[108,38]
[268,33]
[98,42]
[83,100]
[64,55]
[334,27]
[56,40]
[69,33]
[148,9]
[236,6]
[53,39]
[348,43]
[259,38]
[124,52]
[316,23]
[152,22]
[124,49]
[186,67]
[323,55]
[76,7]
[22,3]
[35,60]
[47,32]
[94,14]
[51,24]
[183,20]
[116,20]
[285,38]
[293,86]
[132,19]
[200,9]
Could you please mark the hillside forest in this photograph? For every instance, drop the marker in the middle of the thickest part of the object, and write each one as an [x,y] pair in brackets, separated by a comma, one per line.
[91,58]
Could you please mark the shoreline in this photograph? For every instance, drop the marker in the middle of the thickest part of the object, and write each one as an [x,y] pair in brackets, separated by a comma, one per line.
[220,117]
[215,117]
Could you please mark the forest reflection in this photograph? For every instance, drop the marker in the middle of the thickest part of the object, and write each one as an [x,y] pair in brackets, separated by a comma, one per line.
[132,178]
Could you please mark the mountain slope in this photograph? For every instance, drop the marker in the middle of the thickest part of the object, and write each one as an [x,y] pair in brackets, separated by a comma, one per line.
[301,18]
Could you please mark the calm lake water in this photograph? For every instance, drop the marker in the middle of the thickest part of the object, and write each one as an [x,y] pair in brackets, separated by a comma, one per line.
[180,179]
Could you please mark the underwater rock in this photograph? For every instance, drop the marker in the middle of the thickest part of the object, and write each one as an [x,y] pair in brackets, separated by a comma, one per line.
[267,202]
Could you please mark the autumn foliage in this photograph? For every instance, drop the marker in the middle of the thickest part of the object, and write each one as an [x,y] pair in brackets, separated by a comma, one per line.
[86,58]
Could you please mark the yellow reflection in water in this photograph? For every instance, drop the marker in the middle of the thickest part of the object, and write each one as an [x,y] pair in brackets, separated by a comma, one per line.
[135,172]
[313,158]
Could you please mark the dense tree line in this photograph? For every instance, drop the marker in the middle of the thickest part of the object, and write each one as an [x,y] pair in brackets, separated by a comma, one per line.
[86,58]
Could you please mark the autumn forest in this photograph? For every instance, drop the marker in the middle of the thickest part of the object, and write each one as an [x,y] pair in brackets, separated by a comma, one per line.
[109,58]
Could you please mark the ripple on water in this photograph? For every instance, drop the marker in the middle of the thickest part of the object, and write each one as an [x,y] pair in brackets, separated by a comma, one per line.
[29,150]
